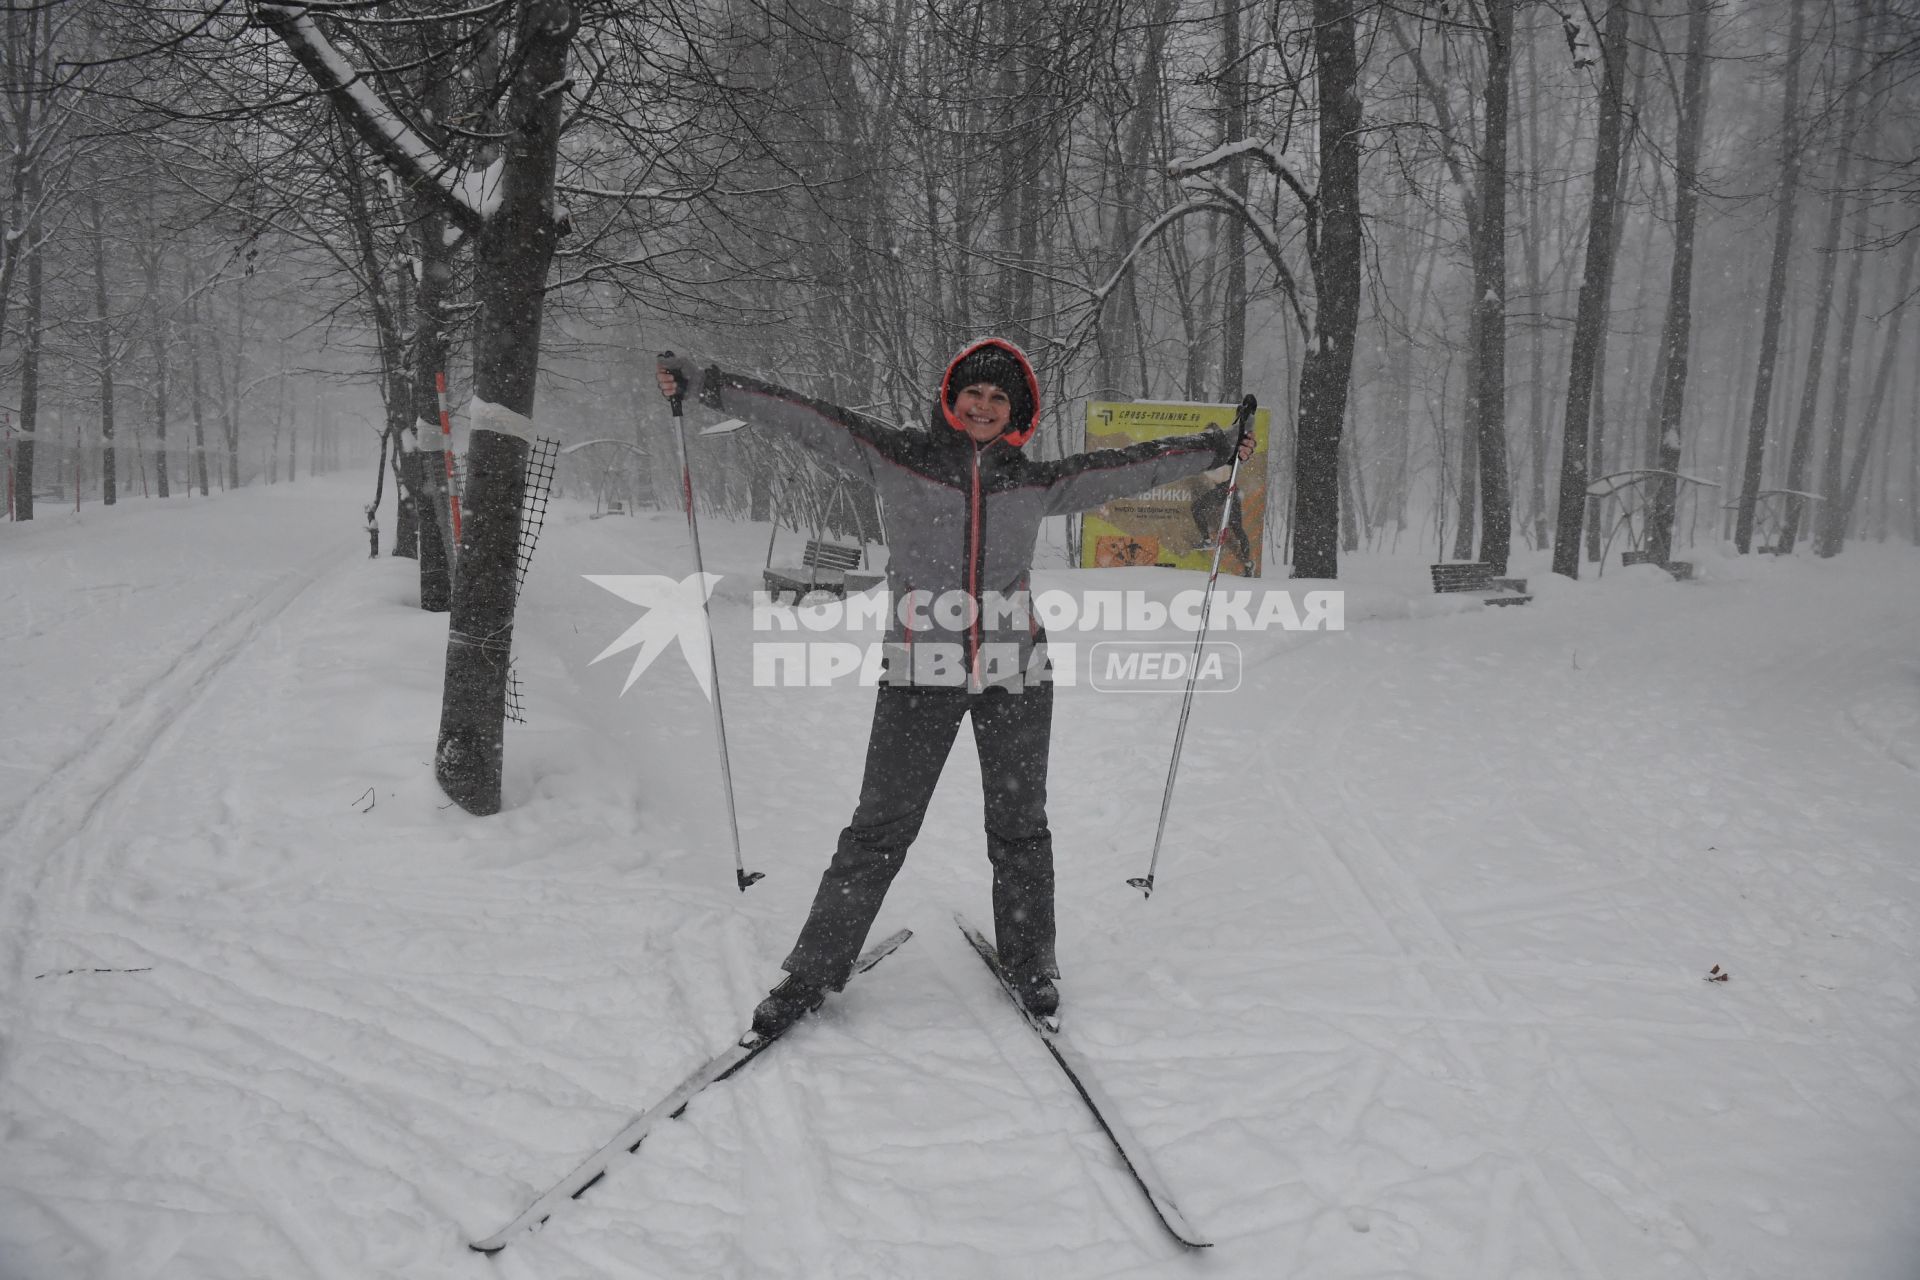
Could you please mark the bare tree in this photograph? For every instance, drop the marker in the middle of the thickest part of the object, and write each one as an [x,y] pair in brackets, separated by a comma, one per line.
[1775,306]
[507,207]
[1478,169]
[191,305]
[1803,434]
[1891,356]
[1596,289]
[1487,416]
[1326,372]
[1677,333]
[103,340]
[1830,522]
[1233,250]
[40,109]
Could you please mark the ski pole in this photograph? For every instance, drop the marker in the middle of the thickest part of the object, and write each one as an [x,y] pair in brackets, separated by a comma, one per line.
[1242,421]
[741,875]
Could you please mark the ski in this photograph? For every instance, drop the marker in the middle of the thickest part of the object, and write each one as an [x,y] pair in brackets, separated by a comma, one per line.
[628,1140]
[1080,1075]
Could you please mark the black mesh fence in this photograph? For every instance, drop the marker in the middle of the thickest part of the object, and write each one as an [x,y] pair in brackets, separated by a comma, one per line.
[534,498]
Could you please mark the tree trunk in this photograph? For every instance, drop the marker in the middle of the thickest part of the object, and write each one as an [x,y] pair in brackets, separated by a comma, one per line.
[1911,421]
[1842,507]
[1233,335]
[1489,377]
[433,509]
[193,379]
[1468,184]
[1417,287]
[1882,508]
[1632,376]
[30,89]
[1596,290]
[158,320]
[1732,437]
[512,255]
[1830,521]
[406,496]
[1827,536]
[1678,331]
[1823,300]
[1466,503]
[230,405]
[159,339]
[1790,142]
[103,346]
[1326,372]
[1350,506]
[1132,163]
[23,456]
[1539,441]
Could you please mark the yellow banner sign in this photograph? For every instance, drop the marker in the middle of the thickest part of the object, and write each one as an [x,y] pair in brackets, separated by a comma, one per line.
[1175,524]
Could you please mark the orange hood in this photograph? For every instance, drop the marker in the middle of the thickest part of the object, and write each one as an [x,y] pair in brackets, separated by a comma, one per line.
[1017,433]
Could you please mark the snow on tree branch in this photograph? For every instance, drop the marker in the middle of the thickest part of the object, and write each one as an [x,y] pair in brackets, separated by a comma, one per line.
[1283,165]
[1216,199]
[468,197]
[1140,242]
[1276,161]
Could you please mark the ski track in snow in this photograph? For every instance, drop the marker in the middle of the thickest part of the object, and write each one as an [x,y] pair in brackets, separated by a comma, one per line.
[1419,993]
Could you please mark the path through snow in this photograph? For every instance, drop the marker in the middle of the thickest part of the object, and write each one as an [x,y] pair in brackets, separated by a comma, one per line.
[1420,993]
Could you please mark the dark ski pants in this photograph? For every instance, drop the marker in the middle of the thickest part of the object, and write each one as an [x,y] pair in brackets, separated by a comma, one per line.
[913,730]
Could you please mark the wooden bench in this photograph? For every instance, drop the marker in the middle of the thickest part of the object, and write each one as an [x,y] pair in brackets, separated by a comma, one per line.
[1477,578]
[1682,570]
[824,566]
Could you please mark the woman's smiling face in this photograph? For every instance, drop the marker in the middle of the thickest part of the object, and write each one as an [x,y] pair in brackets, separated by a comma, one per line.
[983,410]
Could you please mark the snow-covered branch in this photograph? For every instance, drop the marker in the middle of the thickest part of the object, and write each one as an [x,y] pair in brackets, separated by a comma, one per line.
[467,196]
[1141,241]
[1276,161]
[638,193]
[1283,165]
[1217,199]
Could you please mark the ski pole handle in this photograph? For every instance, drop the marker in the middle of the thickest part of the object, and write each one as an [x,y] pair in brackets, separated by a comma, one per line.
[1243,421]
[679,395]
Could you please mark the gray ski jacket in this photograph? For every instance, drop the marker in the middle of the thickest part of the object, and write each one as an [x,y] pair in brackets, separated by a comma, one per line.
[962,519]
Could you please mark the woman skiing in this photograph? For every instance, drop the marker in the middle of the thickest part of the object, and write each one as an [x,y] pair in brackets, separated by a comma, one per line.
[964,507]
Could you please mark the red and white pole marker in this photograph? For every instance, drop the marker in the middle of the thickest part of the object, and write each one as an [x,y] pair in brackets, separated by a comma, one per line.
[446,452]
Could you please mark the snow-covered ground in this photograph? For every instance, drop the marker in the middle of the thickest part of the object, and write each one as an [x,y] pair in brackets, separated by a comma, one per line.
[1421,991]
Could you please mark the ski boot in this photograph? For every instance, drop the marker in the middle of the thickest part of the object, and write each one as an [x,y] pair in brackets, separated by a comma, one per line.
[1036,993]
[793,999]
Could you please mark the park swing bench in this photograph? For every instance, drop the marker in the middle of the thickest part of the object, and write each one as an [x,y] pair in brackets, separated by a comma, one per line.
[1476,578]
[612,478]
[825,566]
[1632,489]
[1769,521]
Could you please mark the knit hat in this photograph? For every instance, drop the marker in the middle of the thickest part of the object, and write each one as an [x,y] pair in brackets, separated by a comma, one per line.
[1001,364]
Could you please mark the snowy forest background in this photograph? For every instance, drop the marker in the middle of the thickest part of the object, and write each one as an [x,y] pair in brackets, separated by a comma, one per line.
[210,281]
